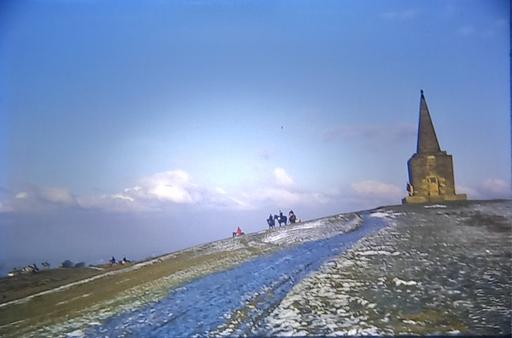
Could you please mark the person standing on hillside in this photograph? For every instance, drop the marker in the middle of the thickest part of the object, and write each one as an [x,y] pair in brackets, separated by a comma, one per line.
[292,217]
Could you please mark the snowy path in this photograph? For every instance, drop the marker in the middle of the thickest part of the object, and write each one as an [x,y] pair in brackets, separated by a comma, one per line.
[436,270]
[235,301]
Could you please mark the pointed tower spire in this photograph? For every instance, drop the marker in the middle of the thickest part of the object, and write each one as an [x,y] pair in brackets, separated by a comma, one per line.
[427,139]
[431,178]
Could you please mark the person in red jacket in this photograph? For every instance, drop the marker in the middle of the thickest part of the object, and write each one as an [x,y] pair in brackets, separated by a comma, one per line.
[238,232]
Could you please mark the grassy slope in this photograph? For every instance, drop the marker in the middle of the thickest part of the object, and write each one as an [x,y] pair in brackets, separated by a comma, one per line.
[117,288]
[54,307]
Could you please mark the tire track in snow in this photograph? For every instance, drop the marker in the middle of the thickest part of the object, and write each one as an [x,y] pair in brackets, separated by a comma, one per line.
[232,301]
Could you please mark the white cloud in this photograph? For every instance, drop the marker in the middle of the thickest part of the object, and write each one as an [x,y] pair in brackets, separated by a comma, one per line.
[4,207]
[123,197]
[172,193]
[134,189]
[162,191]
[281,197]
[57,195]
[375,189]
[221,199]
[34,198]
[282,178]
[220,190]
[172,190]
[461,189]
[277,196]
[114,202]
[487,189]
[21,195]
[174,186]
[151,193]
[494,188]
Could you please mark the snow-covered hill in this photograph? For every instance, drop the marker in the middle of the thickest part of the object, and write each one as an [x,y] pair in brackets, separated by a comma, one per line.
[436,270]
[418,270]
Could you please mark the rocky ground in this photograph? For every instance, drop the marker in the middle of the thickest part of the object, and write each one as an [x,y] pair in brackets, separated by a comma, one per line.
[441,269]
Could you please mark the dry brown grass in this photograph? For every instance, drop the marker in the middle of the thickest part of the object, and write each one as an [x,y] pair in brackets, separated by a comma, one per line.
[55,307]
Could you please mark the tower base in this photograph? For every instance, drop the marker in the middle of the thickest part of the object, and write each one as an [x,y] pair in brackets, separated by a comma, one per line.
[417,199]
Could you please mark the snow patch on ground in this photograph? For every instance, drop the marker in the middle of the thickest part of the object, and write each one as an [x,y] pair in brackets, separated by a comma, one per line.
[389,214]
[399,282]
[380,214]
[377,252]
[454,278]
[311,231]
[76,333]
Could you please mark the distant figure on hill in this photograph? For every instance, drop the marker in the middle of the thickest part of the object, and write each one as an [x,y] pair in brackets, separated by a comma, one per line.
[271,222]
[238,232]
[292,217]
[113,260]
[410,189]
[281,218]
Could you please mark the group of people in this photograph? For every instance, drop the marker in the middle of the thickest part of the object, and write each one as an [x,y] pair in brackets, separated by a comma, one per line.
[26,269]
[123,261]
[281,218]
[31,268]
[271,221]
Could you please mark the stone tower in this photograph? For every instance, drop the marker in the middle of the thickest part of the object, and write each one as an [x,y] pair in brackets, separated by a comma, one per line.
[430,168]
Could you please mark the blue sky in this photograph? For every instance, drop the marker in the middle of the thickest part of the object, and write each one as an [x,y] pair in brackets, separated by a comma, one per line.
[233,109]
